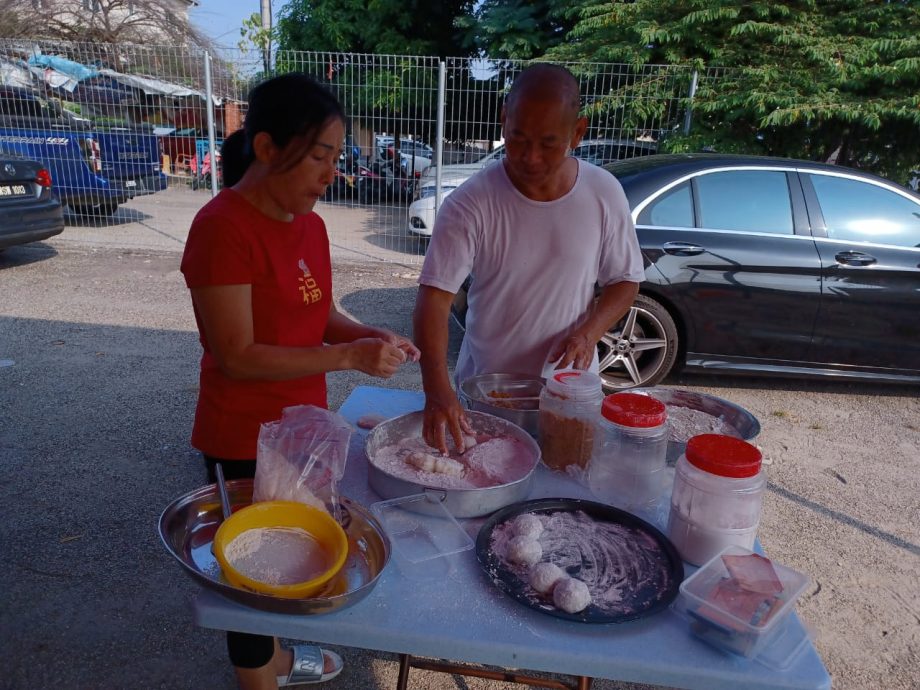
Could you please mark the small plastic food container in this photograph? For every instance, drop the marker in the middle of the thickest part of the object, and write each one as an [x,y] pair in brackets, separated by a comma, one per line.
[569,408]
[421,528]
[741,602]
[330,538]
[630,451]
[717,497]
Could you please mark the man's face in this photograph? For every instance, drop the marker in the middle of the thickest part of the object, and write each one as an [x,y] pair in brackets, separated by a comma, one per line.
[538,135]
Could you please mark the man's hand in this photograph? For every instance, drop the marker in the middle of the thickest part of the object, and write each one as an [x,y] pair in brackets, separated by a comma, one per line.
[444,415]
[575,352]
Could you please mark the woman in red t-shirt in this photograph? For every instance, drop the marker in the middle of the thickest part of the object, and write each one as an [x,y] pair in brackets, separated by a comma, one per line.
[257,264]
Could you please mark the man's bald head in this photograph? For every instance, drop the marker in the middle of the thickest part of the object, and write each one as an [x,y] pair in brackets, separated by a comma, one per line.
[545,82]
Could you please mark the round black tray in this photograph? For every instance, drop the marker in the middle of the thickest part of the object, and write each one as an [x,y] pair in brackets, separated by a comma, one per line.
[658,589]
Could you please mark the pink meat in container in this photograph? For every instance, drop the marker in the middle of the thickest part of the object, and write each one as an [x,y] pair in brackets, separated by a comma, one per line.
[495,470]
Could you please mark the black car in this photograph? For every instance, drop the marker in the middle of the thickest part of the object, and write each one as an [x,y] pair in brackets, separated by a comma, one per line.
[28,210]
[767,266]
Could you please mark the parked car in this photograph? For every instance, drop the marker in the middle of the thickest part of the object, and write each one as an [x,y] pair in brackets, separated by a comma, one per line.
[766,266]
[29,211]
[414,156]
[96,168]
[597,151]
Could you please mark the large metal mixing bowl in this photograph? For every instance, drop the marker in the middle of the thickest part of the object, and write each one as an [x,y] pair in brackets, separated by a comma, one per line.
[462,503]
[474,394]
[742,421]
[187,528]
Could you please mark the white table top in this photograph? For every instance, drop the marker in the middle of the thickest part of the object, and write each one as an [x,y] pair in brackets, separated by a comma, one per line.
[449,609]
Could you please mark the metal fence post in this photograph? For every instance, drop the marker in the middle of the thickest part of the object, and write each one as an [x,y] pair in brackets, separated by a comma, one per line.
[439,144]
[688,116]
[212,147]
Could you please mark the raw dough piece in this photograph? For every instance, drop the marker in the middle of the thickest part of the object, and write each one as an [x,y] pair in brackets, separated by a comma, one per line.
[524,550]
[435,463]
[544,576]
[369,421]
[528,525]
[468,442]
[571,595]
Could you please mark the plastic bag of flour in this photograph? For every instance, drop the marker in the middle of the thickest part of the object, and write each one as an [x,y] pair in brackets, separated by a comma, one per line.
[301,457]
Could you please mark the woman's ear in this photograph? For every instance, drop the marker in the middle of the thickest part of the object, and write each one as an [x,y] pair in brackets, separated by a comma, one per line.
[263,148]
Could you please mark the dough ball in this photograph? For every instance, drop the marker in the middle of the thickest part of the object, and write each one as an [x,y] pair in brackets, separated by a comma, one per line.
[527,525]
[369,421]
[468,442]
[524,551]
[544,576]
[571,595]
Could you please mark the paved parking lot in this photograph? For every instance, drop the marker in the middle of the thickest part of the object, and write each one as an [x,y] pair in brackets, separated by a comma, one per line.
[98,372]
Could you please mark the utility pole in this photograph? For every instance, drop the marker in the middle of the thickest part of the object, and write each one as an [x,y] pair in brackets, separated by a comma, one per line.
[267,27]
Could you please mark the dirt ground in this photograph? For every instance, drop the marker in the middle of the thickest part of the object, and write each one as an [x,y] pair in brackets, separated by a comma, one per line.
[97,392]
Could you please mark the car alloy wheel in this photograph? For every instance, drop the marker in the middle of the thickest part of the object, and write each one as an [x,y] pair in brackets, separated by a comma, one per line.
[641,349]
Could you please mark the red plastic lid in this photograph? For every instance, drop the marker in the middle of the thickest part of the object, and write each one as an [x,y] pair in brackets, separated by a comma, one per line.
[725,456]
[635,410]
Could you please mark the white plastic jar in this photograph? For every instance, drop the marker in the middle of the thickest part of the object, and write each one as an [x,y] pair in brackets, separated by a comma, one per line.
[630,451]
[717,497]
[569,407]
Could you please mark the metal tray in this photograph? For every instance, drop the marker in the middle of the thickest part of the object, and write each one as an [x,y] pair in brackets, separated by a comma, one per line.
[744,422]
[461,503]
[651,591]
[187,528]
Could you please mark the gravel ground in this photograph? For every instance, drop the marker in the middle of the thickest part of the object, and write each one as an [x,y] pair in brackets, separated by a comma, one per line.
[95,414]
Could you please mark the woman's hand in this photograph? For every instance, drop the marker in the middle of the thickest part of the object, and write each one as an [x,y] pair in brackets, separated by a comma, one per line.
[375,356]
[404,344]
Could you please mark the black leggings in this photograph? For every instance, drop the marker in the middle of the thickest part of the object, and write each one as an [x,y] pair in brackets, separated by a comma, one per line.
[245,649]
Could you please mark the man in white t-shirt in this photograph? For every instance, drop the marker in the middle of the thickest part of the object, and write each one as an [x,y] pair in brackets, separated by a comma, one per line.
[537,231]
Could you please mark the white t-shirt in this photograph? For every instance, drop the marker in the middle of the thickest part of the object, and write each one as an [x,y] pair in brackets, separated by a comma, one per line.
[534,264]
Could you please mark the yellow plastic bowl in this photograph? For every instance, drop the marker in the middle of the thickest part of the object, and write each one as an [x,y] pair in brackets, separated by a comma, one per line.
[317,523]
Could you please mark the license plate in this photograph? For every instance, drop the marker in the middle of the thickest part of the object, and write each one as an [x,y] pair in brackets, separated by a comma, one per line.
[13,190]
[131,183]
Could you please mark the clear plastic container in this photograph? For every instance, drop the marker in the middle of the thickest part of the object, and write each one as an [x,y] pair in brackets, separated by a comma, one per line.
[630,451]
[717,497]
[742,602]
[569,408]
[421,528]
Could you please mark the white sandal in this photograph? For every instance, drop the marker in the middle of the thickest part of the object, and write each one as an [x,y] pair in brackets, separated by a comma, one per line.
[308,666]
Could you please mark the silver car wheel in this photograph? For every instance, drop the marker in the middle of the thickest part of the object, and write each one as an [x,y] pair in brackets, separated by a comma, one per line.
[640,350]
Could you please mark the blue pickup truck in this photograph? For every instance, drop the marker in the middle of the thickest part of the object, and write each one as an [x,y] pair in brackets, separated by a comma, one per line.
[94,168]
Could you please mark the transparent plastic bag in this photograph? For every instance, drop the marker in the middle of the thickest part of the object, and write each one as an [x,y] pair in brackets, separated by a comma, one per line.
[301,457]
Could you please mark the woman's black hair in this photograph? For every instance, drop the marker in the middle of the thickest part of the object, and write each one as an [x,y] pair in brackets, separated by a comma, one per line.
[285,107]
[233,160]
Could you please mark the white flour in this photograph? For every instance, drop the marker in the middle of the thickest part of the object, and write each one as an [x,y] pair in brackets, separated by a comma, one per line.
[277,555]
[685,423]
[493,461]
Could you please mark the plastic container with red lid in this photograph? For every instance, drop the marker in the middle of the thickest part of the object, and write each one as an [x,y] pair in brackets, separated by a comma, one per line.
[717,497]
[628,463]
[569,407]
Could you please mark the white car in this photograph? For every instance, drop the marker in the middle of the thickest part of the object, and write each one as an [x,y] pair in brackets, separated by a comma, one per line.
[421,211]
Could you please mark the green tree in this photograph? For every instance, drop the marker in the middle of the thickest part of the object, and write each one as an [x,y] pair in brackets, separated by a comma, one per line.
[392,27]
[517,29]
[835,80]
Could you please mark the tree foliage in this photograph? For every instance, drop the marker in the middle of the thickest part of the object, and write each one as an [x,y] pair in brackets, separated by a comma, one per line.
[159,22]
[387,27]
[517,29]
[835,80]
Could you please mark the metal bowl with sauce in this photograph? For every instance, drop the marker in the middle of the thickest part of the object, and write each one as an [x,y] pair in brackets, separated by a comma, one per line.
[515,397]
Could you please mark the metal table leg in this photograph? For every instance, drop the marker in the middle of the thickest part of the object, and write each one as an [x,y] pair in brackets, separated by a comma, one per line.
[406,662]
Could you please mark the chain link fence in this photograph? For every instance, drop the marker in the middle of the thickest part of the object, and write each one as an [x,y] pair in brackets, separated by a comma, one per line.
[132,133]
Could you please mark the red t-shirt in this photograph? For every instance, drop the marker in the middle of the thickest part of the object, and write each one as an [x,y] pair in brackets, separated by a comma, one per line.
[288,266]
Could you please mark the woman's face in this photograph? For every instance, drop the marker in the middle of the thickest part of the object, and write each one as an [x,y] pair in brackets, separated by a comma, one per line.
[296,189]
